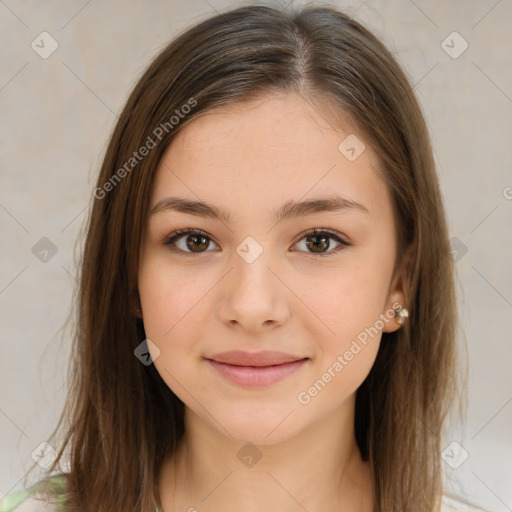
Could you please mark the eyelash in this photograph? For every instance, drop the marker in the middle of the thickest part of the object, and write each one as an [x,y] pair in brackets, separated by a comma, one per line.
[179,233]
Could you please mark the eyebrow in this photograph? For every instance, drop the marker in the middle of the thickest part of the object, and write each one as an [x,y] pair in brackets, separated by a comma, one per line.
[290,209]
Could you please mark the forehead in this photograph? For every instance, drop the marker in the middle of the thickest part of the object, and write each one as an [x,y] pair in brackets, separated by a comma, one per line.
[268,125]
[266,150]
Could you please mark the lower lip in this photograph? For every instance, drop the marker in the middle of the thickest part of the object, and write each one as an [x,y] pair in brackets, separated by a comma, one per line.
[256,376]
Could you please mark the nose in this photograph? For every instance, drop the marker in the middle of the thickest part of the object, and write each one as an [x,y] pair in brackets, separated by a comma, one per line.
[253,297]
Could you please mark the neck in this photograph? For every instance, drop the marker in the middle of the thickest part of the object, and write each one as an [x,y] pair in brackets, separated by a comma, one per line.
[319,469]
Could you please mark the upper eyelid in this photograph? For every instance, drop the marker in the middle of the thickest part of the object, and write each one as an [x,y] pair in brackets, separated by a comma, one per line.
[329,231]
[179,233]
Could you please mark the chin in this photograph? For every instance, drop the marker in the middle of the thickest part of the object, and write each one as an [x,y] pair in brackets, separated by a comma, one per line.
[257,426]
[259,436]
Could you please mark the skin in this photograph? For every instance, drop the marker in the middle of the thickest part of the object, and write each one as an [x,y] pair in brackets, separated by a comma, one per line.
[249,159]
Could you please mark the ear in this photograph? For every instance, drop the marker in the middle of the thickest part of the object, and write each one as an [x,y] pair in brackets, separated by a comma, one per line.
[398,290]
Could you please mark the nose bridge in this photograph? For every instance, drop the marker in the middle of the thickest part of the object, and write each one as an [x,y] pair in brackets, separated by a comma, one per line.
[251,261]
[254,294]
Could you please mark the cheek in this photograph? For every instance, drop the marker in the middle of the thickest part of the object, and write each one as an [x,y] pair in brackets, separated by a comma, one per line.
[347,333]
[347,302]
[170,298]
[343,300]
[171,302]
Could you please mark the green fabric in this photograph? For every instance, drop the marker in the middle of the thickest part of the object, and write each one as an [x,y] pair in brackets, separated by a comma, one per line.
[10,502]
[57,487]
[13,500]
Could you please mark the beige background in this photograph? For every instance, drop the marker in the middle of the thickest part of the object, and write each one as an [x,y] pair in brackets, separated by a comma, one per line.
[57,114]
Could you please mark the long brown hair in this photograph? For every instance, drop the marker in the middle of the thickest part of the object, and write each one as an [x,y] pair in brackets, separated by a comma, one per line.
[120,419]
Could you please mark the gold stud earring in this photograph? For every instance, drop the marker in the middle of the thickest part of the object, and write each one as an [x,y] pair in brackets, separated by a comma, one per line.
[400,315]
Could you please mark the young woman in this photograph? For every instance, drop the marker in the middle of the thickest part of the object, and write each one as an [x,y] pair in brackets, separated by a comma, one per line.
[266,316]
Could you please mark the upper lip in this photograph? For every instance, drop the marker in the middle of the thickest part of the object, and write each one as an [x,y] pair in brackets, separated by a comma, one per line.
[264,358]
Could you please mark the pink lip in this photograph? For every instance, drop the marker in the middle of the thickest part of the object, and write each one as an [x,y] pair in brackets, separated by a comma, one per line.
[257,368]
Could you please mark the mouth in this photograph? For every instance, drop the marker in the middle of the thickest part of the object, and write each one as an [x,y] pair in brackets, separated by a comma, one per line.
[256,369]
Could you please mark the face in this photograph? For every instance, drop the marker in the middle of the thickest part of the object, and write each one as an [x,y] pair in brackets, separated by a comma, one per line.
[253,282]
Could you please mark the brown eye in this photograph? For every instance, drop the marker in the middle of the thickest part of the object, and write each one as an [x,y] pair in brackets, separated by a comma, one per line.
[318,241]
[196,243]
[189,241]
